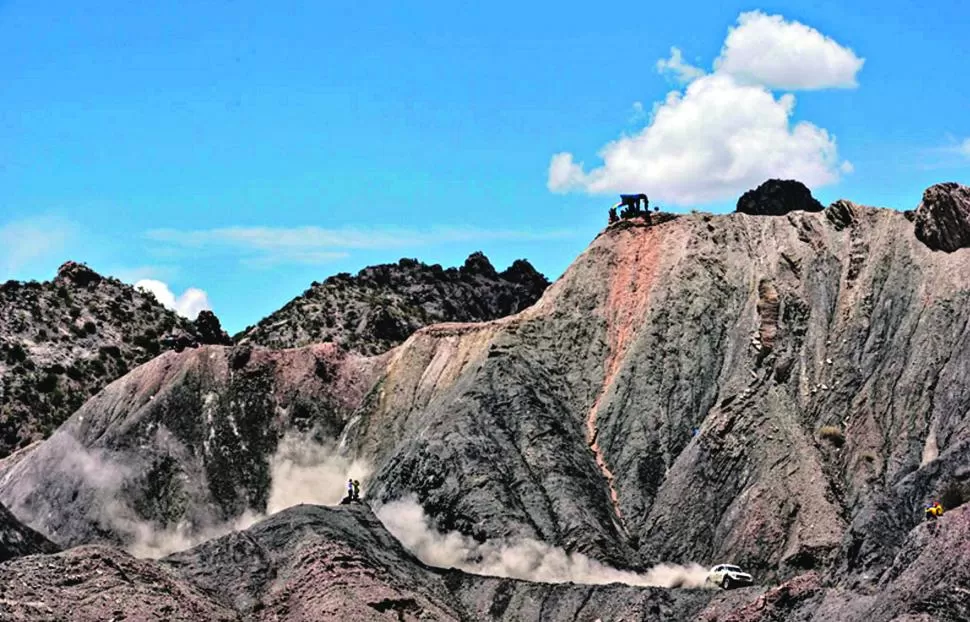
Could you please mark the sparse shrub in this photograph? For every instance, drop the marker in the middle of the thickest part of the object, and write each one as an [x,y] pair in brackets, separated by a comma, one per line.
[17,354]
[47,384]
[75,313]
[74,372]
[97,367]
[832,434]
[90,327]
[112,351]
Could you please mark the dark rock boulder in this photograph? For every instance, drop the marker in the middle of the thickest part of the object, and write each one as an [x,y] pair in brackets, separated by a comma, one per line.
[210,330]
[842,214]
[17,539]
[943,217]
[777,197]
[77,273]
[478,263]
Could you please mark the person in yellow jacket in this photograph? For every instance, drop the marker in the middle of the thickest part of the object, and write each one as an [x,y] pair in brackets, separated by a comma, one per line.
[935,510]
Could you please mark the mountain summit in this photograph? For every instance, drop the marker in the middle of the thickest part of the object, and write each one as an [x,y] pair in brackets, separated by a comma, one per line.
[784,393]
[383,305]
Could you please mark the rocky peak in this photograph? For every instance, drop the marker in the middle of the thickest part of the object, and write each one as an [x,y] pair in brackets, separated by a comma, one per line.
[383,305]
[522,272]
[777,197]
[943,217]
[78,274]
[478,263]
[210,329]
[63,340]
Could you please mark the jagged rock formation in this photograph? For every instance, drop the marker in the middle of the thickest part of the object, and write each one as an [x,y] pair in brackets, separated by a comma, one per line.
[782,393]
[943,217]
[306,563]
[16,539]
[97,583]
[62,341]
[777,197]
[383,305]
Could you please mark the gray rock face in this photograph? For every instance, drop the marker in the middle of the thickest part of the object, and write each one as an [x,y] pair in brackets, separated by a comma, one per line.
[17,539]
[383,305]
[96,583]
[781,393]
[777,197]
[64,340]
[943,217]
[184,439]
[305,563]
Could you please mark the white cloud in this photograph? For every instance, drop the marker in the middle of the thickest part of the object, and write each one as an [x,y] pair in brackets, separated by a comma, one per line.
[768,50]
[675,66]
[713,141]
[965,147]
[264,246]
[726,132]
[26,242]
[188,304]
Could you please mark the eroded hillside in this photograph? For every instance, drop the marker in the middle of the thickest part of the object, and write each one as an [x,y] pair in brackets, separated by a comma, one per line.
[62,341]
[782,392]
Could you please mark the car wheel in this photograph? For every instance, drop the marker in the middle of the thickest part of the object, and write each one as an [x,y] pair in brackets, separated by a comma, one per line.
[726,583]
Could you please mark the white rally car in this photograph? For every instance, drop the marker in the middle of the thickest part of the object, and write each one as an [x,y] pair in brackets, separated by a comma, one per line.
[728,576]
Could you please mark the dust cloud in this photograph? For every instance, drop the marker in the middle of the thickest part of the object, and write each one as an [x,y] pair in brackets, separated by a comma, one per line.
[305,471]
[525,559]
[301,471]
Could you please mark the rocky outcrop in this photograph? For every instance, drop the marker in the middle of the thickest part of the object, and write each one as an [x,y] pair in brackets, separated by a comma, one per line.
[777,197]
[209,329]
[96,583]
[185,439]
[17,540]
[781,393]
[305,563]
[943,217]
[383,305]
[64,340]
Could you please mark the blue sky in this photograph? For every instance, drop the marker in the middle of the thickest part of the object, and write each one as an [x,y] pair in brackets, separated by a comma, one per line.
[249,148]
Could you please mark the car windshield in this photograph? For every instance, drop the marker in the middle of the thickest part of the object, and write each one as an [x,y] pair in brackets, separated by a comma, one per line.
[732,569]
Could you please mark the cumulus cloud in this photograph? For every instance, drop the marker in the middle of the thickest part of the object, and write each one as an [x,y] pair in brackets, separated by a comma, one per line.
[524,559]
[188,304]
[264,246]
[24,242]
[726,131]
[768,50]
[714,140]
[678,69]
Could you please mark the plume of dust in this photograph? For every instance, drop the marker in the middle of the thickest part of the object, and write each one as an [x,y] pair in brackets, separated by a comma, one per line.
[525,559]
[301,471]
